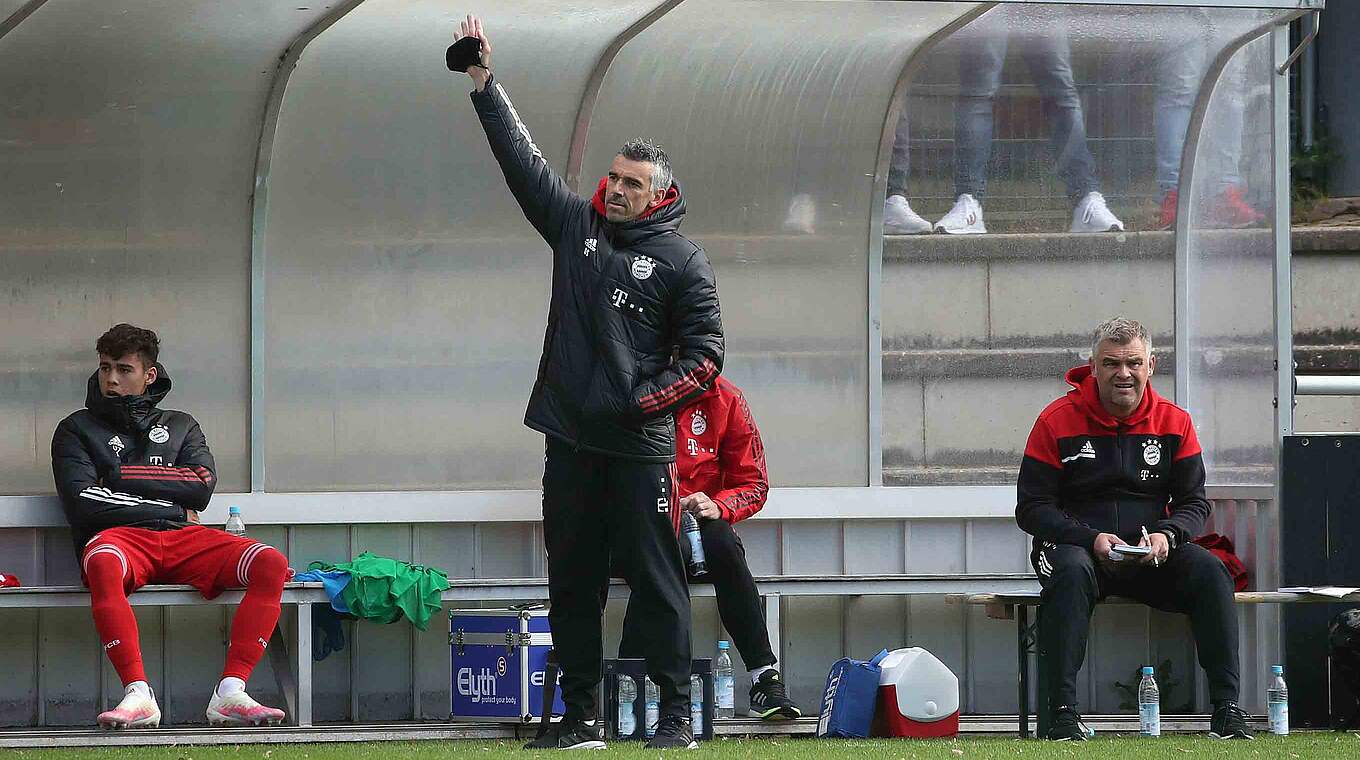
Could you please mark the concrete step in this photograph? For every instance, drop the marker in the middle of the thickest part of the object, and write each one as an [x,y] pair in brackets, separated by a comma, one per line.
[949,291]
[1010,361]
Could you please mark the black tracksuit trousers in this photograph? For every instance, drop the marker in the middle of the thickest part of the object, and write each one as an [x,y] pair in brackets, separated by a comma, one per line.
[595,507]
[1192,581]
[738,599]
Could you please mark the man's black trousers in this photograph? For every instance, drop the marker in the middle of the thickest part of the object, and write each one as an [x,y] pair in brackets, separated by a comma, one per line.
[738,600]
[1191,581]
[595,507]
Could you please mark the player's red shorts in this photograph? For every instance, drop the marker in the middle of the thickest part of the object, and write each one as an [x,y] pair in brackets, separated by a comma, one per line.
[208,559]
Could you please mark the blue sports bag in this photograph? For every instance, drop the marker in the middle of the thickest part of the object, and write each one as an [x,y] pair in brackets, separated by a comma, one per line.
[849,698]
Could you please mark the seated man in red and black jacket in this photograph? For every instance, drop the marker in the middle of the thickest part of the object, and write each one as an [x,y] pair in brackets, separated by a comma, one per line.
[721,471]
[1113,463]
[132,479]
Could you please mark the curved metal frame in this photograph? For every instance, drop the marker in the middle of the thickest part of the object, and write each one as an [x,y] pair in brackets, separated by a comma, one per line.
[875,273]
[1189,151]
[259,213]
[580,133]
[16,18]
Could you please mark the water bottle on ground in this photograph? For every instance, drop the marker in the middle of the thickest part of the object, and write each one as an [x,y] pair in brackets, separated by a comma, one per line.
[1277,702]
[627,705]
[725,701]
[653,706]
[1149,705]
[235,525]
[690,525]
[696,704]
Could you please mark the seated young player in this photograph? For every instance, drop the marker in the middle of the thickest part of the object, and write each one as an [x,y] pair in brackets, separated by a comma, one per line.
[132,478]
[720,464]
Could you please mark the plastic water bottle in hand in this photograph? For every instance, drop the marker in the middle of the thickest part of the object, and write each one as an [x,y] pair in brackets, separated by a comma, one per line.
[235,525]
[1277,702]
[726,704]
[689,524]
[627,704]
[696,704]
[653,706]
[1149,705]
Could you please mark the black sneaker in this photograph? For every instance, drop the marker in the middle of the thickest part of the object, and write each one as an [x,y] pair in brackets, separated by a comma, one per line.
[1229,722]
[570,734]
[672,732]
[1067,726]
[769,700]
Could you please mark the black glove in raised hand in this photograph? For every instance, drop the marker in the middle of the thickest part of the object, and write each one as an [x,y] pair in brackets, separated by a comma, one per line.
[464,54]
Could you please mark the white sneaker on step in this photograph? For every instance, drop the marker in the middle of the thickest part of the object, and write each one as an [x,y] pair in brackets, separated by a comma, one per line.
[137,710]
[802,216]
[899,219]
[238,709]
[964,219]
[1092,215]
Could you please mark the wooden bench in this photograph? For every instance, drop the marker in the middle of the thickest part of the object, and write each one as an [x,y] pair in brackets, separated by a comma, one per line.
[1015,606]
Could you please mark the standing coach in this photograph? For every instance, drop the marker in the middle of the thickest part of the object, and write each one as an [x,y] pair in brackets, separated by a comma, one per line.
[628,292]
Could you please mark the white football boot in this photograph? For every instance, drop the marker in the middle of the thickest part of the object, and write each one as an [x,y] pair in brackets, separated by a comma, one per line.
[238,709]
[137,710]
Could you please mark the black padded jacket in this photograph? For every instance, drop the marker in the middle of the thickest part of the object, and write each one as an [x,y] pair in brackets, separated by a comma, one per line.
[121,461]
[634,330]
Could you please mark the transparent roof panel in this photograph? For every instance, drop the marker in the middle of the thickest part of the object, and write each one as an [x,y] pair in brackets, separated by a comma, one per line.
[406,293]
[127,143]
[1029,109]
[773,116]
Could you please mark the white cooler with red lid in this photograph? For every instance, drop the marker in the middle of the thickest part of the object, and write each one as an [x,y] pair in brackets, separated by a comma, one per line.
[917,696]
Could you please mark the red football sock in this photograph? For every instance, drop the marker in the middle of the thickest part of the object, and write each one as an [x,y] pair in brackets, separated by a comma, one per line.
[113,616]
[258,613]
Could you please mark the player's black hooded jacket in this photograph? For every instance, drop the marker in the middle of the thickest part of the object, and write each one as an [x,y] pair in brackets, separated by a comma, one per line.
[121,461]
[623,295]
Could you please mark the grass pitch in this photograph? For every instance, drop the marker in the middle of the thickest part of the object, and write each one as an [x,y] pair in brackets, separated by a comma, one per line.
[1332,746]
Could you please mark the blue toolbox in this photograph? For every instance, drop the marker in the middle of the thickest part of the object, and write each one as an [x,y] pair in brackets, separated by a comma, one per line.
[499,658]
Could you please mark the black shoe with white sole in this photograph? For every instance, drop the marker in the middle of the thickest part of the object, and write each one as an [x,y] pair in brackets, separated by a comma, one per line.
[1229,722]
[570,734]
[770,701]
[1067,726]
[673,732]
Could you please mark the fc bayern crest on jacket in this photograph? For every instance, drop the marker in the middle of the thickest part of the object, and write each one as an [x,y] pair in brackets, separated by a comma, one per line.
[698,424]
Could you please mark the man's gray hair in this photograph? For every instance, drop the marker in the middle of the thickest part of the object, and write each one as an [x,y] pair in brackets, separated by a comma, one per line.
[642,149]
[1122,331]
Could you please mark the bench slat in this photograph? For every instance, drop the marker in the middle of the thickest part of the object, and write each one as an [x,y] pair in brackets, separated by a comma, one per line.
[1031,598]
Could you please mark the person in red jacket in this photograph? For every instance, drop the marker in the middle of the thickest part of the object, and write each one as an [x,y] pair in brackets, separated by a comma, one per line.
[132,478]
[721,470]
[1114,464]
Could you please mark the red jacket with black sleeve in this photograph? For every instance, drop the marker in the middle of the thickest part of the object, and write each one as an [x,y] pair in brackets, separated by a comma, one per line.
[1086,472]
[121,461]
[718,451]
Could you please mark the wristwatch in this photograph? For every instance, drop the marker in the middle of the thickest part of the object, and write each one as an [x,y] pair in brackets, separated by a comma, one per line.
[1170,538]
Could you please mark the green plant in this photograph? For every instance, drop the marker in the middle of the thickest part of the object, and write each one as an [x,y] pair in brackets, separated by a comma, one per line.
[1309,170]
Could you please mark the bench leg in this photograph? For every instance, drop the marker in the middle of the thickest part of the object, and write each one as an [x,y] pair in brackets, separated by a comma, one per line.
[302,661]
[1043,710]
[1022,644]
[283,669]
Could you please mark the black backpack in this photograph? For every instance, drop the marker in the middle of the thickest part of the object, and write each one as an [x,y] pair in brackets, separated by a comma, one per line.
[1343,644]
